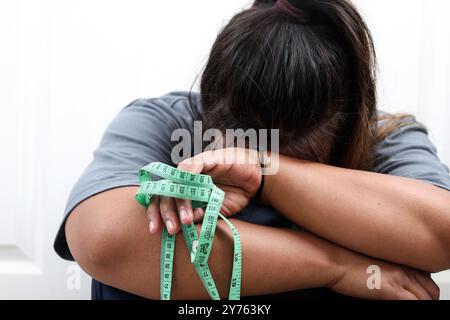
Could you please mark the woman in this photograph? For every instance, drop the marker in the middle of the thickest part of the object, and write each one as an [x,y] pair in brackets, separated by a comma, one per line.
[367,186]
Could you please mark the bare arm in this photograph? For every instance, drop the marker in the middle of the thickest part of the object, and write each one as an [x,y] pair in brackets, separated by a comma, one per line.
[108,236]
[391,218]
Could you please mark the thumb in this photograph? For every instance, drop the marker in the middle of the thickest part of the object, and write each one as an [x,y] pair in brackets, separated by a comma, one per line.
[192,165]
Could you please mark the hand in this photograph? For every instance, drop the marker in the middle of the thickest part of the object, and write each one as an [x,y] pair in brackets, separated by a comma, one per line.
[234,170]
[397,282]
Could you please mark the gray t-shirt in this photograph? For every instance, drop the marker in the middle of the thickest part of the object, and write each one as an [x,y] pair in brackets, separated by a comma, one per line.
[141,133]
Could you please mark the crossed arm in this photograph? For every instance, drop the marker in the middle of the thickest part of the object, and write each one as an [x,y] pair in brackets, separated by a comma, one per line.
[392,218]
[108,236]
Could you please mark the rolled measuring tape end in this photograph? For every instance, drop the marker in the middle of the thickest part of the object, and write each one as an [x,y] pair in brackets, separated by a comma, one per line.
[204,194]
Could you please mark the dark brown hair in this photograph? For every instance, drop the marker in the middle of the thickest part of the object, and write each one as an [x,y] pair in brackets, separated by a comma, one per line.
[312,76]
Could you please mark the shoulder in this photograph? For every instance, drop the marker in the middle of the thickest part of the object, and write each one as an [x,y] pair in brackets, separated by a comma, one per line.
[408,151]
[402,121]
[400,130]
[156,115]
[181,102]
[396,132]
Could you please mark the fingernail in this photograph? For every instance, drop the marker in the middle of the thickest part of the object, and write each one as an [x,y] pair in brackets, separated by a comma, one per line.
[152,226]
[169,225]
[184,214]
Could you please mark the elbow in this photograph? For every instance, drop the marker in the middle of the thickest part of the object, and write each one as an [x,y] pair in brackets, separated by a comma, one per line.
[441,259]
[434,256]
[93,246]
[108,236]
[109,251]
[434,240]
[441,250]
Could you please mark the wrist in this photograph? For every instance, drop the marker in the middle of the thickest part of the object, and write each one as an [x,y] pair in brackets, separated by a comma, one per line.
[339,269]
[275,172]
[344,261]
[267,190]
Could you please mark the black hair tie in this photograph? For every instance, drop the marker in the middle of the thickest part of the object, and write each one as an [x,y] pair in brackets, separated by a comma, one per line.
[262,166]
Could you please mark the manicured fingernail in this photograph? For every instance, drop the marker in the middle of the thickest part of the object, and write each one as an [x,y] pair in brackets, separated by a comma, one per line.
[184,214]
[152,227]
[169,225]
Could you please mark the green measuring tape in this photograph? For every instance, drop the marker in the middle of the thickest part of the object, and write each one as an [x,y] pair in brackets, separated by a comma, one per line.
[204,194]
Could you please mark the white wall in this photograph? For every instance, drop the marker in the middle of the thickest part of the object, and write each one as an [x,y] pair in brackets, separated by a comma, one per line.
[412,38]
[413,45]
[67,67]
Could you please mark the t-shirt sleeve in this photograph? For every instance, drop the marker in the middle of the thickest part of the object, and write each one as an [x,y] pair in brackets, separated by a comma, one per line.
[408,152]
[140,134]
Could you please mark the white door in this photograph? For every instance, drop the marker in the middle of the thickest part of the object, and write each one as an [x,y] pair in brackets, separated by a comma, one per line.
[68,66]
[31,198]
[66,69]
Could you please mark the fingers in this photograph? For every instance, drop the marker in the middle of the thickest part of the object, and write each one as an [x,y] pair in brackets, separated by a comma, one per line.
[406,295]
[185,210]
[202,163]
[163,211]
[416,287]
[154,216]
[192,165]
[169,214]
[170,211]
[425,280]
[184,207]
[418,291]
[199,213]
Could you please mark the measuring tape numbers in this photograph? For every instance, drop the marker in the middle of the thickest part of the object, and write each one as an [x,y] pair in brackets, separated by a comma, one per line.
[204,194]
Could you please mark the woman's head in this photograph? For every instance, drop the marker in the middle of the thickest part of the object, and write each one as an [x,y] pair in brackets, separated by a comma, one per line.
[305,67]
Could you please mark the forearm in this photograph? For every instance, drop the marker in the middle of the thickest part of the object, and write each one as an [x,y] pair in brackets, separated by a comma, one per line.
[274,260]
[391,218]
